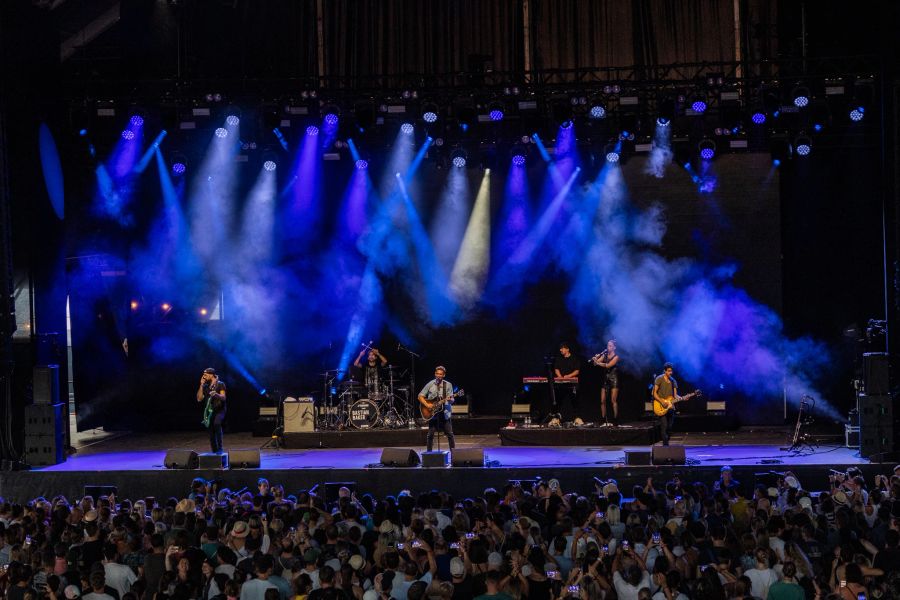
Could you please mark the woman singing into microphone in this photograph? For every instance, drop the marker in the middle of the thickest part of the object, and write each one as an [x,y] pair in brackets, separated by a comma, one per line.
[608,359]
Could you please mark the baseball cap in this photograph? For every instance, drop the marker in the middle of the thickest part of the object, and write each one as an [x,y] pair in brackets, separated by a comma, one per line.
[457,567]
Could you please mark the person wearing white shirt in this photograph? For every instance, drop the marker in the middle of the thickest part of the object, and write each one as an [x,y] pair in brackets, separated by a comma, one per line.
[763,576]
[635,576]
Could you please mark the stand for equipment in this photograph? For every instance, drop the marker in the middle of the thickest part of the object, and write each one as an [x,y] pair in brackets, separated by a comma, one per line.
[276,438]
[801,438]
[412,381]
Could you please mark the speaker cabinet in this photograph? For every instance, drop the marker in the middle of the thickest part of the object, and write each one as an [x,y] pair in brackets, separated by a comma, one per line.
[179,458]
[875,409]
[243,459]
[44,440]
[46,384]
[637,457]
[399,457]
[668,455]
[467,457]
[875,371]
[299,415]
[436,459]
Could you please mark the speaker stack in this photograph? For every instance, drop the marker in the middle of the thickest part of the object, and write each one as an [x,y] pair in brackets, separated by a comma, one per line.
[44,425]
[876,411]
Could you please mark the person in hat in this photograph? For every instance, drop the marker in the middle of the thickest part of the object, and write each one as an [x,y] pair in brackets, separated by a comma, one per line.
[212,394]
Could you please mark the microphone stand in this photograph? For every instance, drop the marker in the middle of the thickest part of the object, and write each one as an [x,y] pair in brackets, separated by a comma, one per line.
[412,379]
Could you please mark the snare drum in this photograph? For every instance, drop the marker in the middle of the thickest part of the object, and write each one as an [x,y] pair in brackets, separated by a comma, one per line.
[363,414]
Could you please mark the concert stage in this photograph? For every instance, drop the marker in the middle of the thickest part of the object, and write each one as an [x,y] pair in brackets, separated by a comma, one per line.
[134,463]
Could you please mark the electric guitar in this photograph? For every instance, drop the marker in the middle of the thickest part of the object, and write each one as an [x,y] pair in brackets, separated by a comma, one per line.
[662,408]
[208,409]
[429,409]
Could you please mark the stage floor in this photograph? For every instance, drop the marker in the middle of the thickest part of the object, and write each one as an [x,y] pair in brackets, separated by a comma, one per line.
[134,463]
[745,447]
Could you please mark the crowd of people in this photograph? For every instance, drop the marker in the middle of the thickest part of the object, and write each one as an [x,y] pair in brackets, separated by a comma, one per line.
[526,540]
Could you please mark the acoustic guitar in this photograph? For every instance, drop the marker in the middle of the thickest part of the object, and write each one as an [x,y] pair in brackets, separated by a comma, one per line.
[429,409]
[662,408]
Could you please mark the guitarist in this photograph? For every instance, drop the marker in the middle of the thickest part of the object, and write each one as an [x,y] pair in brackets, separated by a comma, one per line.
[436,389]
[665,391]
[212,394]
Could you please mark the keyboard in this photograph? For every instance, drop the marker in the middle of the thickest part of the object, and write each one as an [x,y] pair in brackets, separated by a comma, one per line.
[544,380]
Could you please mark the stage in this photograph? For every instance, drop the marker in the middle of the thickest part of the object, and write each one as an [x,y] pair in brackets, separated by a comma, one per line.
[134,463]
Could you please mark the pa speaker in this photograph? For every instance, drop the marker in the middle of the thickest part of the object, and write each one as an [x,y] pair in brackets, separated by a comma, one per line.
[243,459]
[178,458]
[46,384]
[875,370]
[668,455]
[875,410]
[399,457]
[467,457]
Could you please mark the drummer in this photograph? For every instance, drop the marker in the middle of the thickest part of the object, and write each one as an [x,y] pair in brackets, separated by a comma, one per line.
[370,373]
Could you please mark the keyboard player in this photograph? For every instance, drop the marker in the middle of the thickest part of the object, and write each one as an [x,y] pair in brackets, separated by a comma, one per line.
[566,366]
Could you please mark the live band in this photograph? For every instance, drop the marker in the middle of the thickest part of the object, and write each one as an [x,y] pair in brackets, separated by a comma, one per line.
[436,398]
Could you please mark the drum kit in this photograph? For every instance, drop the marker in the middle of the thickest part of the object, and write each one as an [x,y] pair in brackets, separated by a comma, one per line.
[350,404]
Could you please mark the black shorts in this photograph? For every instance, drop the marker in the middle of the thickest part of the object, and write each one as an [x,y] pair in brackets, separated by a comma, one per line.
[612,381]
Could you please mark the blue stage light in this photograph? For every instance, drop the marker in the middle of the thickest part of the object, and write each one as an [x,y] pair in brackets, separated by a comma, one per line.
[331,119]
[518,160]
[817,127]
[312,130]
[459,162]
[128,134]
[221,132]
[857,114]
[269,165]
[662,122]
[598,112]
[699,106]
[496,115]
[137,121]
[776,162]
[803,149]
[567,124]
[707,153]
[179,168]
[407,128]
[800,96]
[233,120]
[430,117]
[758,118]
[362,165]
[612,156]
[707,149]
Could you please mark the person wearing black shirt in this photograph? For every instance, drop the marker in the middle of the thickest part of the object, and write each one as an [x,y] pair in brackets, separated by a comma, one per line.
[370,374]
[212,394]
[566,366]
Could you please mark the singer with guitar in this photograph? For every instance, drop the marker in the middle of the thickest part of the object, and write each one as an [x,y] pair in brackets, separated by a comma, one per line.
[665,395]
[435,400]
[212,393]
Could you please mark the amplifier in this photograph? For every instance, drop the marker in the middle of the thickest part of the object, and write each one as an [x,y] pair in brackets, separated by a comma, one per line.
[299,415]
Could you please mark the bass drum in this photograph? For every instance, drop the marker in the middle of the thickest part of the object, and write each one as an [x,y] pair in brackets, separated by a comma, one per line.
[363,414]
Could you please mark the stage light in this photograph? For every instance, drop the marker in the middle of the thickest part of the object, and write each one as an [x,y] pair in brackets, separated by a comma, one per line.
[82,132]
[233,120]
[312,130]
[857,114]
[566,124]
[362,164]
[776,162]
[221,132]
[269,165]
[430,117]
[166,306]
[179,168]
[707,149]
[128,134]
[612,156]
[136,121]
[662,121]
[758,118]
[698,105]
[331,119]
[496,115]
[803,145]
[135,305]
[518,160]
[458,158]
[598,112]
[203,312]
[800,96]
[407,128]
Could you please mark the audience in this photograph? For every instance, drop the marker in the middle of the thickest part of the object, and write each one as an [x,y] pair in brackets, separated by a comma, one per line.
[678,542]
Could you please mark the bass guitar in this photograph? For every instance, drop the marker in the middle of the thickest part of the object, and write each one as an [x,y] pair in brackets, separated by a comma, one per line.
[207,411]
[429,409]
[662,408]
